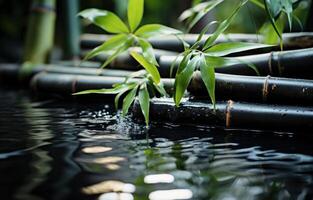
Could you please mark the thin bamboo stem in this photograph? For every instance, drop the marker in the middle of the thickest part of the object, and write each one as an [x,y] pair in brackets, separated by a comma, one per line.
[40,33]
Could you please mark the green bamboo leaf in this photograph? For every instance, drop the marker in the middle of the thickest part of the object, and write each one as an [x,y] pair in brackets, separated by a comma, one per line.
[270,12]
[227,48]
[111,44]
[144,101]
[105,20]
[147,51]
[135,13]
[288,9]
[151,69]
[114,90]
[183,79]
[128,100]
[218,62]
[258,3]
[200,11]
[222,27]
[126,87]
[204,31]
[208,77]
[152,30]
[184,62]
[118,51]
[160,88]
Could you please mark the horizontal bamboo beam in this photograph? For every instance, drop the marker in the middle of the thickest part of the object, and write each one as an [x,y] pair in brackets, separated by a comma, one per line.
[290,40]
[230,114]
[243,88]
[67,84]
[256,89]
[10,72]
[291,64]
[126,61]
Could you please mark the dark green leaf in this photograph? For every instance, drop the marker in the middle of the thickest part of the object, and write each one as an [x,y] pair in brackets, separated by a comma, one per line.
[183,79]
[117,52]
[144,101]
[152,30]
[222,27]
[160,88]
[135,13]
[227,48]
[151,69]
[128,100]
[199,11]
[111,44]
[105,20]
[208,77]
[126,87]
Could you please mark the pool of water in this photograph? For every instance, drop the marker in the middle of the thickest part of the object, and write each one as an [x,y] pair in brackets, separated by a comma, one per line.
[51,149]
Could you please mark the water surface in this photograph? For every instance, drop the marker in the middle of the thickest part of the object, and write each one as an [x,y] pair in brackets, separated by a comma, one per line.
[51,149]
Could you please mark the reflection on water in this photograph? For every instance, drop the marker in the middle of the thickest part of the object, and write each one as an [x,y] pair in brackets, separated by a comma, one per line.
[58,150]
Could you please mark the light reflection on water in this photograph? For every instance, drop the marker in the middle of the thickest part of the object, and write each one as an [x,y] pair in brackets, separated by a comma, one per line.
[55,150]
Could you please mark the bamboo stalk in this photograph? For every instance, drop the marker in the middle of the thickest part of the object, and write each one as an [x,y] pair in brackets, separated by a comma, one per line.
[10,72]
[310,18]
[256,89]
[67,84]
[230,115]
[172,43]
[291,64]
[40,33]
[71,29]
[243,88]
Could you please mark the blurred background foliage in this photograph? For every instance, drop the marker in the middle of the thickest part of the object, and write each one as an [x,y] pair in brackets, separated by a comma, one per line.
[14,15]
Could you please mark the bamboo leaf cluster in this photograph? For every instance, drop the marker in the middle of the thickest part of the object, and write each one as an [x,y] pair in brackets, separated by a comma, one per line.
[203,57]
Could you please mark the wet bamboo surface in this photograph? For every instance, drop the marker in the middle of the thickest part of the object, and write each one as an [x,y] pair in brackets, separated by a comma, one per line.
[291,64]
[125,61]
[256,88]
[67,84]
[246,88]
[10,72]
[290,40]
[242,88]
[230,114]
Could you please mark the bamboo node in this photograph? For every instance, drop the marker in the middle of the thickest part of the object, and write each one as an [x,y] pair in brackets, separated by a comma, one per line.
[74,84]
[270,62]
[265,90]
[229,107]
[33,83]
[279,65]
[42,8]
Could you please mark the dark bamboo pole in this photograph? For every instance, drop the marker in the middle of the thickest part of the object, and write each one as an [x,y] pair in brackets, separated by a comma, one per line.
[71,29]
[243,88]
[257,89]
[125,61]
[292,64]
[10,72]
[171,43]
[231,114]
[40,33]
[67,84]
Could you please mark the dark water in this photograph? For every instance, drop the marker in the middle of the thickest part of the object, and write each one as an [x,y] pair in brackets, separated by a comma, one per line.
[58,150]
